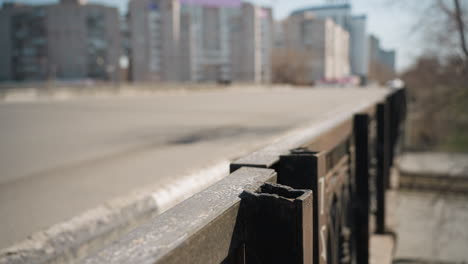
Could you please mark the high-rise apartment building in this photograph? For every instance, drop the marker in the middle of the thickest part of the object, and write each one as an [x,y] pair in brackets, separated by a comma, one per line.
[322,44]
[355,25]
[69,40]
[359,56]
[207,31]
[154,40]
[381,61]
[199,40]
[253,40]
[388,58]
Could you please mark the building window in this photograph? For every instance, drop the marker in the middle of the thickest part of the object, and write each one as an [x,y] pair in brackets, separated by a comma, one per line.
[306,33]
[211,28]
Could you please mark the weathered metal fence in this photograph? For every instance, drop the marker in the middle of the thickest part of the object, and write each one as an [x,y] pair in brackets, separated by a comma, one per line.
[313,197]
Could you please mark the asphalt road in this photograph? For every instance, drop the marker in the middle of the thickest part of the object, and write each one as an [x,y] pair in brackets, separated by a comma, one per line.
[60,158]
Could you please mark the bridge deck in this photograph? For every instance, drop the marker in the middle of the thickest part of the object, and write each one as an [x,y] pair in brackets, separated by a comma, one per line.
[61,158]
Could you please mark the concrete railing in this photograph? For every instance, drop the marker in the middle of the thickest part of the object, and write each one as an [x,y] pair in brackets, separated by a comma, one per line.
[313,197]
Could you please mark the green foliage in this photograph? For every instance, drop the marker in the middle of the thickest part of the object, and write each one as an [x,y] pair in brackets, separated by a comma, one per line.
[438,104]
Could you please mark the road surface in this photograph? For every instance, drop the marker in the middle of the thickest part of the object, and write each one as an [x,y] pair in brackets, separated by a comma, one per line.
[61,158]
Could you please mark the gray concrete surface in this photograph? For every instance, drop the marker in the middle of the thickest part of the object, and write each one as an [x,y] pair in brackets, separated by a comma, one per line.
[432,227]
[432,208]
[383,246]
[61,158]
[434,164]
[381,249]
[436,172]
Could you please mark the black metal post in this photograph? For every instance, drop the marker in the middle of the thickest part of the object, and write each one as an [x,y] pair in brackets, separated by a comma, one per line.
[361,140]
[304,169]
[278,225]
[383,168]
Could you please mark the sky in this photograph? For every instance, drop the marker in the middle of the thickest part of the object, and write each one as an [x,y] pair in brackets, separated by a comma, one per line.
[390,24]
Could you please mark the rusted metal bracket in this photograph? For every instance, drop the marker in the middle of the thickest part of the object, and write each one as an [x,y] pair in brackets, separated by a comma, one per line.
[278,225]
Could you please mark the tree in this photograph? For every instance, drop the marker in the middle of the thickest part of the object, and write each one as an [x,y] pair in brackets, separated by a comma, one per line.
[438,81]
[438,103]
[291,66]
[456,19]
[380,72]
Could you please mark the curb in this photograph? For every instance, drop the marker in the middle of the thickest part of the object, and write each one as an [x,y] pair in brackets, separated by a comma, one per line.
[440,183]
[427,171]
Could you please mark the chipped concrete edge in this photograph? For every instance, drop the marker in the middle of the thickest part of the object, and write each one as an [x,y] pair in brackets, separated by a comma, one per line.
[69,241]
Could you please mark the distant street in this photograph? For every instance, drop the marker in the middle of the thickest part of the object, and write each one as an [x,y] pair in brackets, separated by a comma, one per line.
[60,158]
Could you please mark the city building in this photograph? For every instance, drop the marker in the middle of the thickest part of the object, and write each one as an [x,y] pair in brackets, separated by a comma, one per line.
[253,40]
[322,43]
[124,61]
[154,40]
[69,40]
[199,41]
[207,33]
[388,58]
[381,62]
[279,34]
[355,25]
[359,57]
[374,49]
